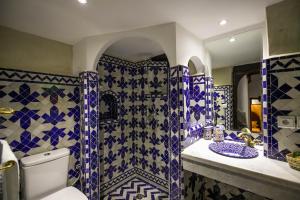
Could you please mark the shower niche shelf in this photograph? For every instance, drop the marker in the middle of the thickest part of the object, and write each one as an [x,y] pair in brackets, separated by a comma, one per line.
[108,107]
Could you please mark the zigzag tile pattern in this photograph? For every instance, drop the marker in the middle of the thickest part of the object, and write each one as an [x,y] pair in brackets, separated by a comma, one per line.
[35,77]
[281,89]
[137,189]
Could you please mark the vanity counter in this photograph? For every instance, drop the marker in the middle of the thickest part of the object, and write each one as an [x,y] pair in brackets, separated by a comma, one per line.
[267,177]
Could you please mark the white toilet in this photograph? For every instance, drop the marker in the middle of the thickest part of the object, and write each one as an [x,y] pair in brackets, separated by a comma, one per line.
[44,176]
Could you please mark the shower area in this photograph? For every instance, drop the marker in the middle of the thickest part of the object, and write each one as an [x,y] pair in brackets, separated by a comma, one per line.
[133,133]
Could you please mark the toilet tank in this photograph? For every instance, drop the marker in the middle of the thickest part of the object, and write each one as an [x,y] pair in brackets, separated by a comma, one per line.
[44,173]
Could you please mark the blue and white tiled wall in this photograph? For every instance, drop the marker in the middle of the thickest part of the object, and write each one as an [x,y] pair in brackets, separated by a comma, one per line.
[197,99]
[197,108]
[47,114]
[137,144]
[197,105]
[153,122]
[117,148]
[281,97]
[223,105]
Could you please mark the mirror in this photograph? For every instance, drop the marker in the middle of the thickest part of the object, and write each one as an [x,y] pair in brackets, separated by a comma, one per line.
[236,64]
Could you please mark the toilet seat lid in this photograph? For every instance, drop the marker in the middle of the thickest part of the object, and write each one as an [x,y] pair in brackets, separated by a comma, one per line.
[66,194]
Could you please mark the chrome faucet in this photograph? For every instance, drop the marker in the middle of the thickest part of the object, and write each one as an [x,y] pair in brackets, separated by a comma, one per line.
[246,136]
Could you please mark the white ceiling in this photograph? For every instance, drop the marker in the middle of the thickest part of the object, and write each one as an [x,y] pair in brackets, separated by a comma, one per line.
[134,49]
[68,21]
[247,48]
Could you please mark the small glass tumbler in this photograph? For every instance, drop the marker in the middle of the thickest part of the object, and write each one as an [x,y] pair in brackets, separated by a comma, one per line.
[219,133]
[208,132]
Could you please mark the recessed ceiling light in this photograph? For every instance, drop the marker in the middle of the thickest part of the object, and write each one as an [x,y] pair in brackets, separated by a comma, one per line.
[223,22]
[82,1]
[232,39]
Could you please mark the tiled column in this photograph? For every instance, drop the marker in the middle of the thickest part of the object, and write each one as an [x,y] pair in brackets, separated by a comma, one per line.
[89,134]
[209,100]
[265,106]
[176,131]
[186,98]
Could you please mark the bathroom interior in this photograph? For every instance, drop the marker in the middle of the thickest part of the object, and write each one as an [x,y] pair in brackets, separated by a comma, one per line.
[121,100]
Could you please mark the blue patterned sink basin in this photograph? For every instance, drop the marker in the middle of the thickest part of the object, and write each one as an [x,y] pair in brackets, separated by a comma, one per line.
[233,150]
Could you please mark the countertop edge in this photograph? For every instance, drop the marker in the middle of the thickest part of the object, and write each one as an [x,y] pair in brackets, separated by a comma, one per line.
[251,174]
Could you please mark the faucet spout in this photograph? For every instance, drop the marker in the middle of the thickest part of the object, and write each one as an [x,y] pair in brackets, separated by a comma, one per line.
[246,136]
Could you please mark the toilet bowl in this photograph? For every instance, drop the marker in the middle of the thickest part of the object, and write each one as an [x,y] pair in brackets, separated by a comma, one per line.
[44,176]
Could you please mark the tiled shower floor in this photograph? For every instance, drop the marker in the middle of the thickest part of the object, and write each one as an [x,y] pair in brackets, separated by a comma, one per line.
[137,189]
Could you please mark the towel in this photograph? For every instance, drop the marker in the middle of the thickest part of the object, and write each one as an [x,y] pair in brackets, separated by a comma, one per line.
[10,178]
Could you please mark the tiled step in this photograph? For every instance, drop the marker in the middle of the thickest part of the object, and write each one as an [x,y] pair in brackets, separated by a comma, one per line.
[136,188]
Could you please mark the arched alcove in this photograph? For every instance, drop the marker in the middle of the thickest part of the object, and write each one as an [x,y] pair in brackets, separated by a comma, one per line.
[120,39]
[196,67]
[135,49]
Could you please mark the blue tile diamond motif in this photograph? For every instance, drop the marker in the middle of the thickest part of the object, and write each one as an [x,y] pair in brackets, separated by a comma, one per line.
[25,116]
[2,120]
[75,95]
[54,93]
[54,117]
[27,142]
[24,96]
[2,93]
[54,135]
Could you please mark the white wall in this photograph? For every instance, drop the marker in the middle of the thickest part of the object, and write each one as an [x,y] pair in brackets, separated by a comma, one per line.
[25,51]
[187,46]
[88,51]
[265,42]
[178,44]
[284,27]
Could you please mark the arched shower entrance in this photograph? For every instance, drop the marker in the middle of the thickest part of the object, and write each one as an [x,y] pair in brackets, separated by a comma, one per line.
[144,140]
[134,143]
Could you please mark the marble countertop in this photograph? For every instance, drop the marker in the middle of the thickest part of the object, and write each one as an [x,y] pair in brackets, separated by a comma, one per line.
[260,168]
